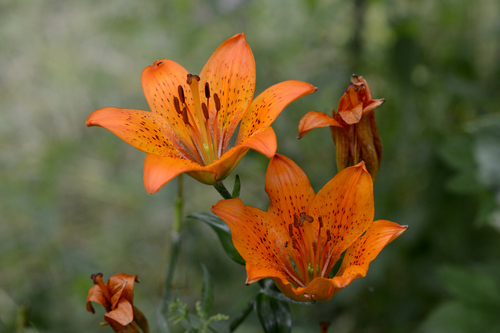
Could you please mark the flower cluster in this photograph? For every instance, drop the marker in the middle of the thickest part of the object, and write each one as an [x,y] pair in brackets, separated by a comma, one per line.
[298,241]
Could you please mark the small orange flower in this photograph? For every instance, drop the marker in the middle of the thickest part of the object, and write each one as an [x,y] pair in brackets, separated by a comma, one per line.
[194,117]
[117,297]
[353,127]
[302,235]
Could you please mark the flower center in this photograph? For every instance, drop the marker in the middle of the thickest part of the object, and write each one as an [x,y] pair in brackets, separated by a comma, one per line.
[204,140]
[310,254]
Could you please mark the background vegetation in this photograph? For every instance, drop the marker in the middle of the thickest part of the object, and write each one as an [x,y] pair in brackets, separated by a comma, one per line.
[72,202]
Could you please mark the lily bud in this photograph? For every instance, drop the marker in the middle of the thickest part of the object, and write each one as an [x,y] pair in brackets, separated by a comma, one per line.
[358,138]
[353,127]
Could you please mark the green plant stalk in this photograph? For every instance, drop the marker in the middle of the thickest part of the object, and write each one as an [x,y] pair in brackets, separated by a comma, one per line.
[219,186]
[242,316]
[175,248]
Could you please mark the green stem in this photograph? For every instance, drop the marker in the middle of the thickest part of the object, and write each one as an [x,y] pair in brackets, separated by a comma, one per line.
[219,186]
[175,248]
[242,316]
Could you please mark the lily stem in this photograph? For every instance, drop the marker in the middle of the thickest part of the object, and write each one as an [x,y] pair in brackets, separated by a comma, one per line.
[242,316]
[219,186]
[175,248]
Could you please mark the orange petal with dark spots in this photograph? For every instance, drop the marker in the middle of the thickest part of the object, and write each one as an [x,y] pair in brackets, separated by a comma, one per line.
[230,73]
[269,104]
[289,189]
[159,170]
[346,205]
[160,83]
[141,129]
[256,235]
[367,247]
[315,119]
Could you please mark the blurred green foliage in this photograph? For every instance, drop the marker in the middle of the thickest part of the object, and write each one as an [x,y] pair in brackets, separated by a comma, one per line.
[72,201]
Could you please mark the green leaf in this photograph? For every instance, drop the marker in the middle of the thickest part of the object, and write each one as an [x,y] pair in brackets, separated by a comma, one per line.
[274,315]
[207,291]
[237,187]
[223,232]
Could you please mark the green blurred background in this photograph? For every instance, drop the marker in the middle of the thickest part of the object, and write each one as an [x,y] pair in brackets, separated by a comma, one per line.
[72,201]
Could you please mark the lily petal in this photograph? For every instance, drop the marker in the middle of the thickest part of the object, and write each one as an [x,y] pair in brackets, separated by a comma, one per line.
[348,211]
[372,105]
[315,119]
[353,115]
[269,104]
[141,129]
[288,188]
[160,83]
[367,247]
[255,235]
[230,72]
[121,286]
[159,170]
[263,141]
[95,294]
[123,314]
[258,272]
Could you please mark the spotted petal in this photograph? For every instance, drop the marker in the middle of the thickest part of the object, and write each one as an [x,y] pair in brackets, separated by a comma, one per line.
[346,205]
[160,83]
[141,129]
[257,238]
[230,73]
[269,104]
[366,248]
[159,170]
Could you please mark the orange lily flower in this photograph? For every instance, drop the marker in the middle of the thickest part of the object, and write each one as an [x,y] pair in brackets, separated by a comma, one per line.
[194,117]
[117,297]
[302,235]
[353,127]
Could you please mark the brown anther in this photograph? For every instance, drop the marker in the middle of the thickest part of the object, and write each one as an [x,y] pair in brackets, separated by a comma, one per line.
[207,90]
[177,105]
[95,276]
[320,219]
[294,243]
[290,230]
[217,102]
[205,110]
[185,117]
[296,221]
[315,246]
[190,78]
[304,216]
[180,90]
[328,235]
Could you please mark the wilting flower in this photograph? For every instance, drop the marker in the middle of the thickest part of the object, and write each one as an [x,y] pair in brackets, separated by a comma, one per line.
[353,127]
[302,235]
[194,117]
[117,298]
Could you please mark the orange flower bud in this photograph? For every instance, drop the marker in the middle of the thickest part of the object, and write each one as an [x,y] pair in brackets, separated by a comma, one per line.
[117,298]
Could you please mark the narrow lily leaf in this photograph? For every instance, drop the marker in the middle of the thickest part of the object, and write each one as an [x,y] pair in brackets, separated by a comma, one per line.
[274,316]
[223,232]
[237,187]
[207,291]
